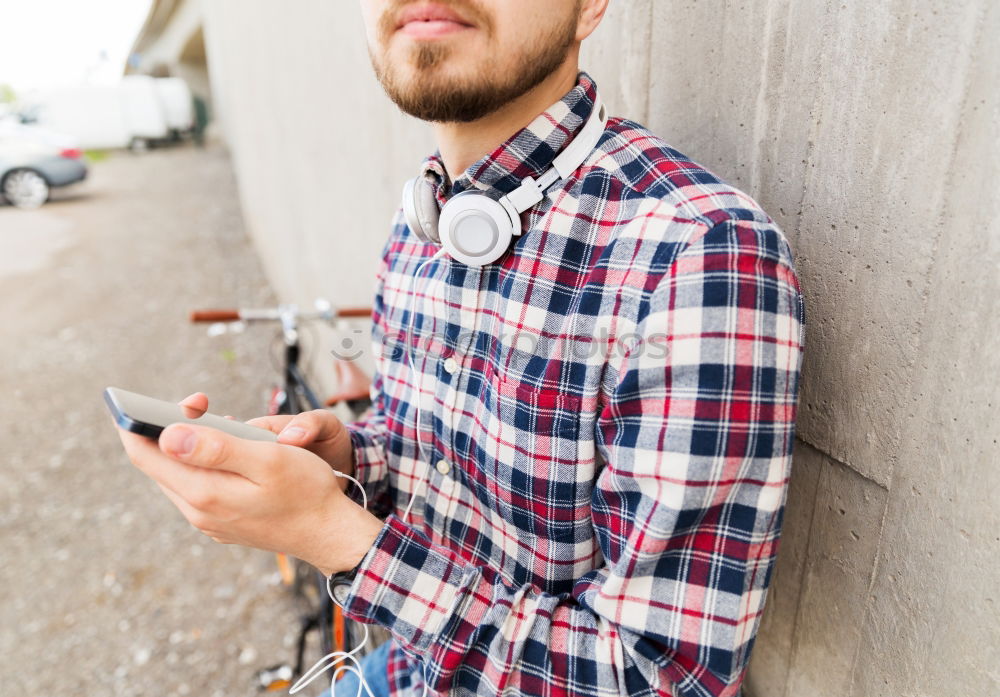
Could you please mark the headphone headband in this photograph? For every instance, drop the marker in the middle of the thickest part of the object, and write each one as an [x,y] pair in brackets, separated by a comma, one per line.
[568,161]
[476,229]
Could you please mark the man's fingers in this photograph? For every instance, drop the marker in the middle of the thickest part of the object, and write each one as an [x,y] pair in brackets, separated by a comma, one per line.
[196,485]
[199,519]
[309,427]
[300,429]
[186,509]
[274,424]
[194,405]
[138,448]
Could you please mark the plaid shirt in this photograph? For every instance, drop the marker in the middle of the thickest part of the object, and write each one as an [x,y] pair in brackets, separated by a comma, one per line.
[607,416]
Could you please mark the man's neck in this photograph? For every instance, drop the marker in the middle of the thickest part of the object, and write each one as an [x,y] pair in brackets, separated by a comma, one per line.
[462,144]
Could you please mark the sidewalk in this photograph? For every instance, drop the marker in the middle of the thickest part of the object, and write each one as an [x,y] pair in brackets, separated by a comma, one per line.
[104,588]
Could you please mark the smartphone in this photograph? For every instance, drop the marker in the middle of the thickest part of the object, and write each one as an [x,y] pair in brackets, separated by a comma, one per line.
[148,416]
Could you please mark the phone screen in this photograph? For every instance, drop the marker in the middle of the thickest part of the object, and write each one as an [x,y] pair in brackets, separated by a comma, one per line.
[148,416]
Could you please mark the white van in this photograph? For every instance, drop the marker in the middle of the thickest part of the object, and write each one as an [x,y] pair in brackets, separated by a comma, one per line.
[143,110]
[91,114]
[137,111]
[177,104]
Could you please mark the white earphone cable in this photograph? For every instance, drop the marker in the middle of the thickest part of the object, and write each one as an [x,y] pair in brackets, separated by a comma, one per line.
[339,658]
[334,657]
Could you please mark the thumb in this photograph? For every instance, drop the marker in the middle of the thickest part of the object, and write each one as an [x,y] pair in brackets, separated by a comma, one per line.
[311,427]
[274,424]
[203,446]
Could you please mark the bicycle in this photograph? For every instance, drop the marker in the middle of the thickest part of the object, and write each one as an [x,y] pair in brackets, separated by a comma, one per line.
[291,397]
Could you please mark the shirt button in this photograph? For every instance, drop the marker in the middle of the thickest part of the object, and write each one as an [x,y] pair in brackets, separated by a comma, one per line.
[450,365]
[443,467]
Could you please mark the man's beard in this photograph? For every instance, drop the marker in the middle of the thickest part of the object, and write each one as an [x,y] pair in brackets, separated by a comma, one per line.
[431,97]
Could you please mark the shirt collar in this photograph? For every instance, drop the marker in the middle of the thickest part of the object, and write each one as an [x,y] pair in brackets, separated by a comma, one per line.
[527,153]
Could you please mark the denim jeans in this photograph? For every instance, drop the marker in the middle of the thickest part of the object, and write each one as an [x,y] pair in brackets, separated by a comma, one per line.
[373,668]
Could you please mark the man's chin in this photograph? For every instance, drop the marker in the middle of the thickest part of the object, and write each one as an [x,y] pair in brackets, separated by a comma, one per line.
[420,71]
[431,58]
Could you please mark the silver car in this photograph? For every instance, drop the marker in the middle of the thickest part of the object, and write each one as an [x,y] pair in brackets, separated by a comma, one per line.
[34,161]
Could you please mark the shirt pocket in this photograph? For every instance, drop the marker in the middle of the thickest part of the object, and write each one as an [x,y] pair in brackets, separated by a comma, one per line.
[535,474]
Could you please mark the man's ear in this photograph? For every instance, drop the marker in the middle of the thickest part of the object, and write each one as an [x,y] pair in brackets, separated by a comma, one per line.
[591,13]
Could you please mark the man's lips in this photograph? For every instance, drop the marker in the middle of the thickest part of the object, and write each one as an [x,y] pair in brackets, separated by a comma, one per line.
[425,21]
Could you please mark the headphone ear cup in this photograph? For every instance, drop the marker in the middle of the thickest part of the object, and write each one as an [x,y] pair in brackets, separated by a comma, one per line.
[475,229]
[420,209]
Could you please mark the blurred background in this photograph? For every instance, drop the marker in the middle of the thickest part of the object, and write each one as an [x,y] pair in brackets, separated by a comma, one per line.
[161,156]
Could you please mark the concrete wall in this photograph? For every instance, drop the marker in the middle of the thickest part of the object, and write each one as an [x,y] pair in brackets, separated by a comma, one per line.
[871,133]
[320,154]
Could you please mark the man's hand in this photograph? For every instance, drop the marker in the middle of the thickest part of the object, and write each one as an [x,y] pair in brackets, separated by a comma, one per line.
[318,431]
[266,495]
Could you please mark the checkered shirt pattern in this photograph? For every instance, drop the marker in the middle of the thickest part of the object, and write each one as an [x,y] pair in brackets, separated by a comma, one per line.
[605,437]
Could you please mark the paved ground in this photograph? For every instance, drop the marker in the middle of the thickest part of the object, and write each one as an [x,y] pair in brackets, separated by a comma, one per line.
[104,588]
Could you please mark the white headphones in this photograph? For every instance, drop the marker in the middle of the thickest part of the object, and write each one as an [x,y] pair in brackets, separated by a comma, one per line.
[476,229]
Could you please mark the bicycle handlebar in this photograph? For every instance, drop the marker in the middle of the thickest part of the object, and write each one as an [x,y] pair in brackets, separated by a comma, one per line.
[346,312]
[214,315]
[275,314]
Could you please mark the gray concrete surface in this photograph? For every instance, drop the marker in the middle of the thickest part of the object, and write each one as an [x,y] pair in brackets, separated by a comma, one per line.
[105,589]
[871,133]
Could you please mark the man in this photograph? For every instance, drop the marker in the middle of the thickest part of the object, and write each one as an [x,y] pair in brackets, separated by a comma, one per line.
[594,431]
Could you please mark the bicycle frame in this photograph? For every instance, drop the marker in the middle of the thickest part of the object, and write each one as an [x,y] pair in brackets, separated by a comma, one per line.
[299,396]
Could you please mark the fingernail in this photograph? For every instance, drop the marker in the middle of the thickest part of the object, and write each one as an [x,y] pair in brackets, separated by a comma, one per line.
[292,433]
[179,440]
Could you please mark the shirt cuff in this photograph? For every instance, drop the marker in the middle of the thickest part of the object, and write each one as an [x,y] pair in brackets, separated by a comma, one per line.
[411,586]
[370,465]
